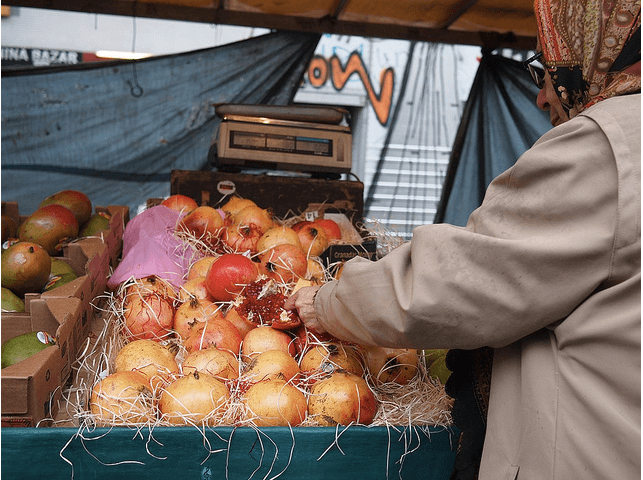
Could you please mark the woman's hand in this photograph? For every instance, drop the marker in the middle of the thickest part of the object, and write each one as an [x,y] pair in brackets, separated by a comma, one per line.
[303,300]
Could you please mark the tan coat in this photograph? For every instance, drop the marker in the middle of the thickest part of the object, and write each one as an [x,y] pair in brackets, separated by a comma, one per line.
[547,271]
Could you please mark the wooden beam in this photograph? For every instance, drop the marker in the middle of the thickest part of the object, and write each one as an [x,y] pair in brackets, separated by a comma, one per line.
[325,25]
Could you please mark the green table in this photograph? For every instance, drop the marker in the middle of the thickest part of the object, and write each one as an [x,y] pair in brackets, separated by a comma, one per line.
[185,453]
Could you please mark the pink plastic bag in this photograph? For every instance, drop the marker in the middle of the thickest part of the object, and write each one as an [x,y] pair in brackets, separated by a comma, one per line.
[150,248]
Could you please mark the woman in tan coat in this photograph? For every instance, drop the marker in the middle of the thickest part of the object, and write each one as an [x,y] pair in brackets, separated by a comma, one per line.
[546,271]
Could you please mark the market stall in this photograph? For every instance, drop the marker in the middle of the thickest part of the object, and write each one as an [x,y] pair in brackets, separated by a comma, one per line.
[409,434]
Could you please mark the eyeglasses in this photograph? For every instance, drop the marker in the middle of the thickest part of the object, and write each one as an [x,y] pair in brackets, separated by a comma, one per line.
[537,73]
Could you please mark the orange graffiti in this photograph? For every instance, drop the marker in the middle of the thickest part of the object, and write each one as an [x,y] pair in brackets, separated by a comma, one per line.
[318,71]
[318,75]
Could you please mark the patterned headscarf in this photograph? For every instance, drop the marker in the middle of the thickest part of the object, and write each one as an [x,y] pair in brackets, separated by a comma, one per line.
[591,48]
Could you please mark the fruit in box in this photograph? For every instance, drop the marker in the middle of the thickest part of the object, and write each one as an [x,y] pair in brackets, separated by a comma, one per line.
[77,202]
[122,398]
[25,268]
[24,346]
[342,398]
[180,203]
[148,357]
[217,332]
[332,230]
[149,316]
[329,357]
[193,399]
[192,314]
[312,237]
[220,364]
[228,276]
[270,365]
[205,223]
[50,227]
[284,263]
[274,403]
[11,302]
[277,235]
[264,338]
[397,365]
[96,223]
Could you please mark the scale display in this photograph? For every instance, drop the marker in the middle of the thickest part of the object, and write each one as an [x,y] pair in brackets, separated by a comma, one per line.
[281,143]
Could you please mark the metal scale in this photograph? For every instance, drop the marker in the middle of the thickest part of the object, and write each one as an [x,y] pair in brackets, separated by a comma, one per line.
[299,138]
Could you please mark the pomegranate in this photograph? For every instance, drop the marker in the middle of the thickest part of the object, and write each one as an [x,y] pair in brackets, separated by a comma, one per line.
[277,235]
[180,203]
[284,263]
[228,276]
[315,270]
[312,237]
[397,365]
[328,357]
[274,403]
[254,217]
[149,285]
[236,204]
[205,223]
[148,316]
[332,230]
[263,304]
[77,202]
[243,325]
[148,357]
[220,364]
[50,227]
[270,365]
[192,313]
[217,333]
[194,288]
[194,399]
[122,398]
[200,267]
[25,268]
[341,398]
[264,338]
[241,238]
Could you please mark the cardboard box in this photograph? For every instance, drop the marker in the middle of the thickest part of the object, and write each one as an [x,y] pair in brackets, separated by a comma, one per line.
[89,257]
[32,389]
[113,236]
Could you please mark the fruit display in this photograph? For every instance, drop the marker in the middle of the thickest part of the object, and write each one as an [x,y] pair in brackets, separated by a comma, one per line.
[221,349]
[24,346]
[39,239]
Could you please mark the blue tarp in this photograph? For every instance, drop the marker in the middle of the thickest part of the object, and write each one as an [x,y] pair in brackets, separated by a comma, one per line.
[116,130]
[500,122]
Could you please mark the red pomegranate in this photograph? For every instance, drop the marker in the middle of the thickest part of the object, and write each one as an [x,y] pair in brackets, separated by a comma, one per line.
[255,217]
[312,237]
[148,317]
[217,333]
[205,223]
[228,276]
[180,203]
[241,238]
[333,232]
[284,263]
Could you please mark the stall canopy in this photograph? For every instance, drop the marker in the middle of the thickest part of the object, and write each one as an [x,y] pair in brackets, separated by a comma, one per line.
[491,23]
[116,130]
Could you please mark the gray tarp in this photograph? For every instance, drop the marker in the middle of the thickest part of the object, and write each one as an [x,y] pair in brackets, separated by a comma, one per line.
[500,122]
[116,130]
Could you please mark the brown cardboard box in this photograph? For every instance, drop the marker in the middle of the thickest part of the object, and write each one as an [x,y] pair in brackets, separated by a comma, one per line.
[89,257]
[113,237]
[31,389]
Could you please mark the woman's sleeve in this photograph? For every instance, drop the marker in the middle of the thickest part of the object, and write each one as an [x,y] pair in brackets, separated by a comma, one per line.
[539,244]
